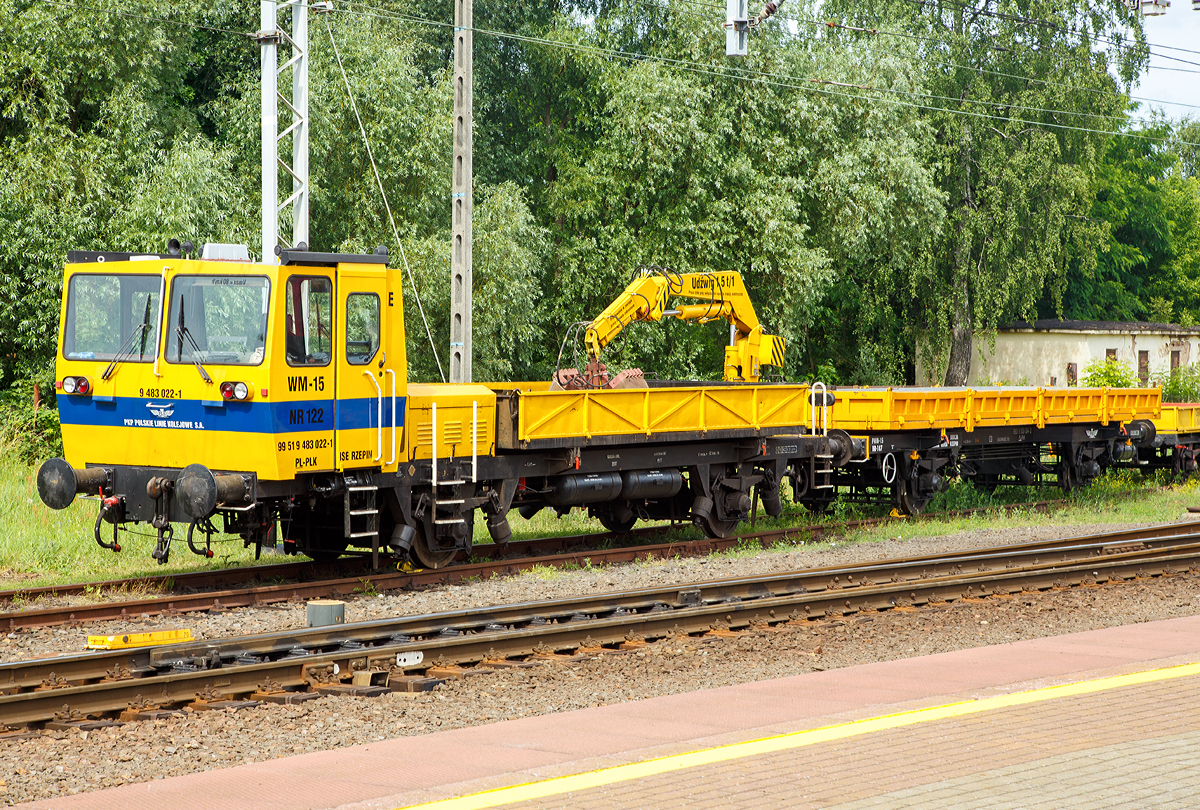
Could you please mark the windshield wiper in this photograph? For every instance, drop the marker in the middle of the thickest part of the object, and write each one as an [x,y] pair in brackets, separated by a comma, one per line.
[182,332]
[126,349]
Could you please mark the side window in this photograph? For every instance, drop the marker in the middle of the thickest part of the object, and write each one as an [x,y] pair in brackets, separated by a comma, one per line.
[362,327]
[309,328]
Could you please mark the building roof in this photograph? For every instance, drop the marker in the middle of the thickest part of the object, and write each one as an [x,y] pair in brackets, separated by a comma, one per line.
[1117,327]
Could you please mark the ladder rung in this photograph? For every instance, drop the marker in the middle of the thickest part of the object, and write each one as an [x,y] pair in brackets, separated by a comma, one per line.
[455,483]
[824,486]
[363,534]
[819,455]
[364,512]
[448,521]
[368,488]
[449,503]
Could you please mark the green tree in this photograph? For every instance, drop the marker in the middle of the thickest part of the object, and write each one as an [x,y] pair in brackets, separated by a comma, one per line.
[1000,78]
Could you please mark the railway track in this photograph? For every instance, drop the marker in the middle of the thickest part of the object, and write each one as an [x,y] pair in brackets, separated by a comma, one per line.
[415,653]
[290,582]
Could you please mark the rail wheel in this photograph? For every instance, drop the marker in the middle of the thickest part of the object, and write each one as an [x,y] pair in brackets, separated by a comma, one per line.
[910,504]
[718,529]
[1068,475]
[430,558]
[614,525]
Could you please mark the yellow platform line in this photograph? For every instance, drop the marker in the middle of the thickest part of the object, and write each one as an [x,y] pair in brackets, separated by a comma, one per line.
[796,739]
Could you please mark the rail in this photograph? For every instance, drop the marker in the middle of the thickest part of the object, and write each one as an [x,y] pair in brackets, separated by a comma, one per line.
[410,652]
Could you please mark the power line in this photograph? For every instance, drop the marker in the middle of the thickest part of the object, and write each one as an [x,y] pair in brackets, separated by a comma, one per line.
[1045,82]
[690,66]
[1048,24]
[741,73]
[936,58]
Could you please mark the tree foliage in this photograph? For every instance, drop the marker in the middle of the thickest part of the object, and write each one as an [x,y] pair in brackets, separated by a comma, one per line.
[918,185]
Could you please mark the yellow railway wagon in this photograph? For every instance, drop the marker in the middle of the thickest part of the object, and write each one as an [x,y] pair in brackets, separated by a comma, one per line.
[918,438]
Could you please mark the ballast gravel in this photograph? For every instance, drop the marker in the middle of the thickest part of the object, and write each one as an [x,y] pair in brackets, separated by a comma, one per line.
[66,762]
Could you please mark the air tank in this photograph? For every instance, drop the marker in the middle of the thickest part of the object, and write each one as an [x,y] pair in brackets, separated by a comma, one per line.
[650,484]
[573,490]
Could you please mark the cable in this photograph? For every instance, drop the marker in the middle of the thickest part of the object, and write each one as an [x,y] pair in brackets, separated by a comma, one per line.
[383,194]
[756,76]
[1048,24]
[935,58]
[1044,82]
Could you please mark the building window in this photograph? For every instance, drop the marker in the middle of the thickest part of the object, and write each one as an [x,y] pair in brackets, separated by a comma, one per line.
[1110,354]
[1144,368]
[1072,374]
[1174,360]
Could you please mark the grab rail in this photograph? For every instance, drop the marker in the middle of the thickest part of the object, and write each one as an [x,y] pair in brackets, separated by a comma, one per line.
[379,416]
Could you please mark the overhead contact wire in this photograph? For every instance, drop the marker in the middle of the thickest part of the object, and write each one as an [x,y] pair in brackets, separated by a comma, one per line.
[382,193]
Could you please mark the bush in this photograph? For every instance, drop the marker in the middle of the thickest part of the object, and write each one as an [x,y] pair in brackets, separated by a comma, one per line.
[1109,373]
[1181,385]
[29,435]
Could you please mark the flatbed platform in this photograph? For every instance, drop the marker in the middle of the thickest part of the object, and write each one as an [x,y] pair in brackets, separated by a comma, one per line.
[1104,718]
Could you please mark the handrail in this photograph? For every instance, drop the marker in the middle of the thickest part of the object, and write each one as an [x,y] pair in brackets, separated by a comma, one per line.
[379,412]
[812,398]
[393,458]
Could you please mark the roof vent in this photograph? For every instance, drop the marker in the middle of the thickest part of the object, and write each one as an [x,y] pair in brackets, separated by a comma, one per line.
[221,251]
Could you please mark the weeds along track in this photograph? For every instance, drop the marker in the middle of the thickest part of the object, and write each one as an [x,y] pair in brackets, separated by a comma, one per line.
[417,652]
[271,584]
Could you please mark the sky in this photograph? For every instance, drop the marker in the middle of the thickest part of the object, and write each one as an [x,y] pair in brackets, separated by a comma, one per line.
[1180,28]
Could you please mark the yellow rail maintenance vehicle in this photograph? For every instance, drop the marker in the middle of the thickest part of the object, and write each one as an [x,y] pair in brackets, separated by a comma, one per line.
[274,398]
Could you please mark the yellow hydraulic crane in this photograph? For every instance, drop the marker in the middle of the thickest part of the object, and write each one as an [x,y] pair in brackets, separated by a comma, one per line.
[645,299]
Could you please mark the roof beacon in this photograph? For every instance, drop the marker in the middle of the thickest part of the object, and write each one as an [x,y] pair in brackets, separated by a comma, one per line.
[220,251]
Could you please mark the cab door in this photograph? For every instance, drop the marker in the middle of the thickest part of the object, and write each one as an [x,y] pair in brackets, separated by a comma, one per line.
[369,409]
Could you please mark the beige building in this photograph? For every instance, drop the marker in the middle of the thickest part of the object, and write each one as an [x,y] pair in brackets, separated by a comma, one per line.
[1055,353]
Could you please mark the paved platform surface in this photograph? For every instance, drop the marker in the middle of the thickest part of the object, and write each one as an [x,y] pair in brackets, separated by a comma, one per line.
[1049,723]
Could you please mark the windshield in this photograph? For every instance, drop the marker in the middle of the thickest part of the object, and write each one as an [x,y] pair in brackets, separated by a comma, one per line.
[218,320]
[108,313]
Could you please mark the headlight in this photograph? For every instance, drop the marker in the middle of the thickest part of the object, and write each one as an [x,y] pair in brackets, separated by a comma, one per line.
[235,391]
[69,385]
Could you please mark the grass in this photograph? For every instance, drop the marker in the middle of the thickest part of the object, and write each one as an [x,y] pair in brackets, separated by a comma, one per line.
[39,546]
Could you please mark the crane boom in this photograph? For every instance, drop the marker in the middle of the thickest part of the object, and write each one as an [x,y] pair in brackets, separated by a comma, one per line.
[725,296]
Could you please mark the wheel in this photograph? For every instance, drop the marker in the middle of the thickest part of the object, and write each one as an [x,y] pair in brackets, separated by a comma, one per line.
[910,504]
[616,526]
[718,529]
[426,556]
[429,558]
[1068,476]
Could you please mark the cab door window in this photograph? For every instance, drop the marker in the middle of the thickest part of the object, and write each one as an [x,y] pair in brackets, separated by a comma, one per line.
[309,328]
[362,328]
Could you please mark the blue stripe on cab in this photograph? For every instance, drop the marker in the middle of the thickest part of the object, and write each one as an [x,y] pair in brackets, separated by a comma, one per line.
[358,414]
[244,417]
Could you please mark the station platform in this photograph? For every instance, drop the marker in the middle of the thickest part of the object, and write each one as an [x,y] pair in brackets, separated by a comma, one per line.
[1101,719]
